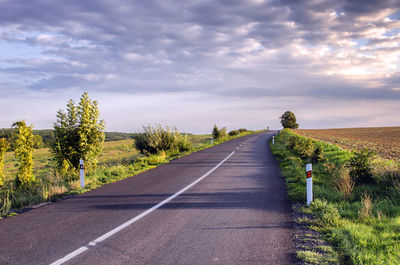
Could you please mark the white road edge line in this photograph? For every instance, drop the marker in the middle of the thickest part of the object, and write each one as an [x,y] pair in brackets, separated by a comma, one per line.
[134,219]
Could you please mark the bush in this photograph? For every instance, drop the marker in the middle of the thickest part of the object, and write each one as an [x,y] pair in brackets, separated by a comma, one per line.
[305,148]
[234,133]
[318,155]
[242,130]
[360,166]
[157,139]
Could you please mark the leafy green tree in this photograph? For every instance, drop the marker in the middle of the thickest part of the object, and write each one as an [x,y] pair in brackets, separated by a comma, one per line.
[3,149]
[288,120]
[24,153]
[79,134]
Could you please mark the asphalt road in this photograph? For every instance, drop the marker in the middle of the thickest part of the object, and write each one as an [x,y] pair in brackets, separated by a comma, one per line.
[236,214]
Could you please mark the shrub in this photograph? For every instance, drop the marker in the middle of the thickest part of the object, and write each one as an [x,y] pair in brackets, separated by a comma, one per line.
[242,130]
[318,155]
[153,140]
[305,148]
[360,166]
[234,133]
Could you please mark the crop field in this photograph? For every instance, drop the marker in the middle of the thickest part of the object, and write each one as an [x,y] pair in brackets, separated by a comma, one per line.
[385,141]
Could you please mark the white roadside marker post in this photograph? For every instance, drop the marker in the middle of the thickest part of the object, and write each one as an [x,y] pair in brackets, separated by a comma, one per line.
[309,183]
[82,173]
[211,140]
[273,139]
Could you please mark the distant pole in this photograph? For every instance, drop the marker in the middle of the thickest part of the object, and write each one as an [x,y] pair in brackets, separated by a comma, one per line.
[273,139]
[211,140]
[82,173]
[309,183]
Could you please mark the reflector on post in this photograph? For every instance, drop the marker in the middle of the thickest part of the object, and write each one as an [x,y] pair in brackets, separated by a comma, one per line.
[309,183]
[82,173]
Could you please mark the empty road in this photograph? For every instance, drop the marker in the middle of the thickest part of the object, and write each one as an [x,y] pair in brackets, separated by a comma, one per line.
[223,205]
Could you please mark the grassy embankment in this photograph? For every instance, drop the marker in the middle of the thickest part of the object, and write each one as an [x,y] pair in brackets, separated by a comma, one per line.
[118,160]
[360,219]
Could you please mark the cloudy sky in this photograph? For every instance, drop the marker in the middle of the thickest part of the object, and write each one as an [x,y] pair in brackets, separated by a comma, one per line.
[195,63]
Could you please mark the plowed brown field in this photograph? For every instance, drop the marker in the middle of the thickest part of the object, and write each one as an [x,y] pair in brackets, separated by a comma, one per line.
[385,141]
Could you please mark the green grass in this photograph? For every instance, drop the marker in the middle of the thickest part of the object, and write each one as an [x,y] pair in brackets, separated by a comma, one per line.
[359,235]
[118,160]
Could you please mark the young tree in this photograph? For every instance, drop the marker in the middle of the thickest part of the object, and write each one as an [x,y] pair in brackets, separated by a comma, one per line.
[288,120]
[3,149]
[24,152]
[79,134]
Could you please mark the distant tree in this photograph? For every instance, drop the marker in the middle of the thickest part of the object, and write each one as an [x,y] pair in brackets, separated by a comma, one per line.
[24,153]
[3,149]
[215,132]
[288,120]
[79,134]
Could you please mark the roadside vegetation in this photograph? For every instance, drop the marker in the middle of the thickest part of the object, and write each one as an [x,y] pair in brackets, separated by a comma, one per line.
[30,176]
[356,199]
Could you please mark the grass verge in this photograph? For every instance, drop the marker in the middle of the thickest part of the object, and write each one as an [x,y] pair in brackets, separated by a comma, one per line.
[360,220]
